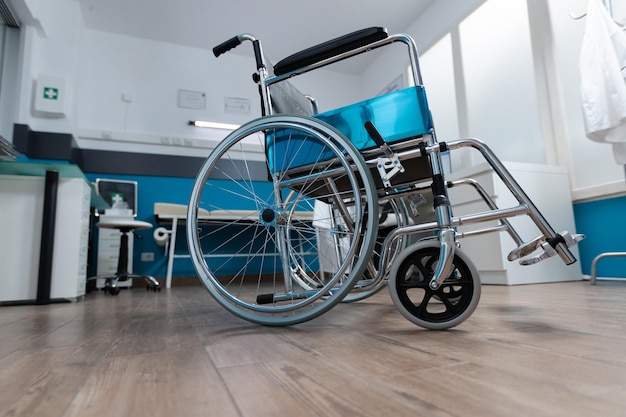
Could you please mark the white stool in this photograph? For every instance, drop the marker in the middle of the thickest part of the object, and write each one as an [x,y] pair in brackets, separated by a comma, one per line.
[125,226]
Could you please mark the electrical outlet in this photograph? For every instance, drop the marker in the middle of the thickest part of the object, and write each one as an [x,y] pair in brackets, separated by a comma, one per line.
[147,256]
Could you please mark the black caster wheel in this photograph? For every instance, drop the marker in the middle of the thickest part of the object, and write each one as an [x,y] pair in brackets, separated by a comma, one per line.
[114,290]
[439,309]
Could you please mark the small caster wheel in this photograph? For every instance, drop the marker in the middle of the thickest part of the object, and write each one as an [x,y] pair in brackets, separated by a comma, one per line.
[449,305]
[114,290]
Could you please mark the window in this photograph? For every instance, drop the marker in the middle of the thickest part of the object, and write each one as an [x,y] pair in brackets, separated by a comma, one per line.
[9,43]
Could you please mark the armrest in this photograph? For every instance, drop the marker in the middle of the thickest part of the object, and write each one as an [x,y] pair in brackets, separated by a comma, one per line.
[330,49]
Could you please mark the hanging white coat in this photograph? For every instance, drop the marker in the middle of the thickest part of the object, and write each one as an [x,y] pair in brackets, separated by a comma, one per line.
[603,87]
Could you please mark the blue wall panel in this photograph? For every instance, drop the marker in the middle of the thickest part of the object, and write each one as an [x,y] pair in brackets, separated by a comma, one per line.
[149,191]
[604,224]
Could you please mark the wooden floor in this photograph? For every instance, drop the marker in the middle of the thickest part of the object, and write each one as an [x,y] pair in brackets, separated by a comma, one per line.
[535,350]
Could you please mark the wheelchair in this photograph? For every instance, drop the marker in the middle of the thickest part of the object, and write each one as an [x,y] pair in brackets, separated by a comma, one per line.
[309,209]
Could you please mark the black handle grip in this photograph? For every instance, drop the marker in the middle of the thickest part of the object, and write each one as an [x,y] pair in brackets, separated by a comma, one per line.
[226,46]
[258,54]
[374,134]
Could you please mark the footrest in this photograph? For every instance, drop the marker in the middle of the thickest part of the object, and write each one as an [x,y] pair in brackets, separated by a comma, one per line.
[527,248]
[546,247]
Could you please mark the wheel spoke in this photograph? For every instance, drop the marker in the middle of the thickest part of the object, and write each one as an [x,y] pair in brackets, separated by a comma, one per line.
[269,270]
[450,308]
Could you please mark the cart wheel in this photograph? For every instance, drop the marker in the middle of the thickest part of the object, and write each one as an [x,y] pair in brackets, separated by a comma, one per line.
[266,264]
[449,305]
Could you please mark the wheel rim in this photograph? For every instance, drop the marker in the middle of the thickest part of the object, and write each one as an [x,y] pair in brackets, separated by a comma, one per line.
[281,257]
[444,307]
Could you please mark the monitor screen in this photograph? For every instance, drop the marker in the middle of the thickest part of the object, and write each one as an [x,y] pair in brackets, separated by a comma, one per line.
[113,191]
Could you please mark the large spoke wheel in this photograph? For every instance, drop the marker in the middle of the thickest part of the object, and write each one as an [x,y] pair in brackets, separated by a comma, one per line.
[449,305]
[256,239]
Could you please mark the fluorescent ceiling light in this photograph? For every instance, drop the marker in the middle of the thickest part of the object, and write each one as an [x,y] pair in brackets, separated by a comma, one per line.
[214,125]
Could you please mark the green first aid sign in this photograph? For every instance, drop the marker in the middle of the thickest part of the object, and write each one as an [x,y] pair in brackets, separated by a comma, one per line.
[117,198]
[50,93]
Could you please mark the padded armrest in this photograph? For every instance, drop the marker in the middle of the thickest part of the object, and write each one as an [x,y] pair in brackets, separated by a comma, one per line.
[330,49]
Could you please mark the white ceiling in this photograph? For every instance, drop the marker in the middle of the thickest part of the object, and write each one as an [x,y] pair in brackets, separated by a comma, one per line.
[283,26]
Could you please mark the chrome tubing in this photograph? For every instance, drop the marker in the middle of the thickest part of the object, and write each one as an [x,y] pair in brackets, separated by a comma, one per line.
[492,205]
[594,264]
[517,191]
[445,266]
[456,221]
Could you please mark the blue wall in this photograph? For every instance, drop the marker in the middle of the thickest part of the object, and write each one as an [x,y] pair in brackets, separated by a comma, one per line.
[149,191]
[604,224]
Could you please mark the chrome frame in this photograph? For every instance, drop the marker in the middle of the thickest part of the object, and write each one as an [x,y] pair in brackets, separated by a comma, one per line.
[551,242]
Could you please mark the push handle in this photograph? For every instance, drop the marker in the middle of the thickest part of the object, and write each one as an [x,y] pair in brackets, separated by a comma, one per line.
[236,41]
[227,46]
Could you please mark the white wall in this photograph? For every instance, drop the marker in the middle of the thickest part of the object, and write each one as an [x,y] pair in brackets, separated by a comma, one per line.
[153,72]
[438,73]
[594,171]
[100,67]
[501,98]
[441,70]
[426,31]
[480,79]
[150,74]
[514,84]
[50,46]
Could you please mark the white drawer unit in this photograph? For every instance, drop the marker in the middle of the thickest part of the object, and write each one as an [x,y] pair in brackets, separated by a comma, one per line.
[21,208]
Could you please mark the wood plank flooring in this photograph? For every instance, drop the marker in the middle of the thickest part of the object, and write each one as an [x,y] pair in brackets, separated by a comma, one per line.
[535,350]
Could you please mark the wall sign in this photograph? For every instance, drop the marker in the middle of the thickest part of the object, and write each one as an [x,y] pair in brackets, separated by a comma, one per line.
[235,105]
[188,99]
